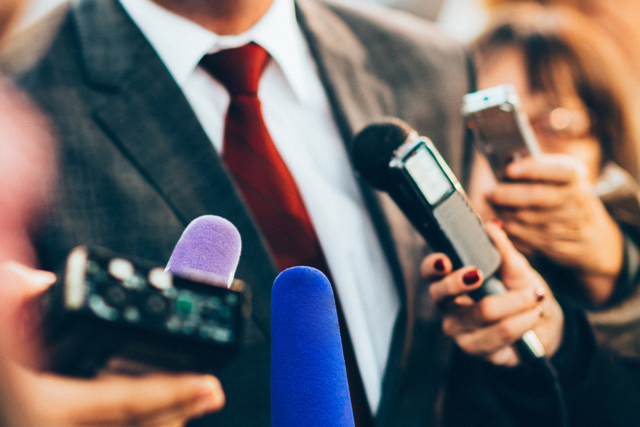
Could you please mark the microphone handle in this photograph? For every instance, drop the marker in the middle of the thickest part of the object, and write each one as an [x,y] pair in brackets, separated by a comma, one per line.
[529,345]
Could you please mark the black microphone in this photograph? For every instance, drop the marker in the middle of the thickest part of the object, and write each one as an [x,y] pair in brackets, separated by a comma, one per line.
[392,157]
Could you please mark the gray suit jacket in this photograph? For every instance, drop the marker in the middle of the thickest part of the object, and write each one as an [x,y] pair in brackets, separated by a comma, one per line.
[137,167]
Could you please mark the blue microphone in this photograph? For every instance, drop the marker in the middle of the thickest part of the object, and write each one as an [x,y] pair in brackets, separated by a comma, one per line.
[308,376]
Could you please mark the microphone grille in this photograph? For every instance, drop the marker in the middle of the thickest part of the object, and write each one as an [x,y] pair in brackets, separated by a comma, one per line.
[373,148]
[208,251]
[309,385]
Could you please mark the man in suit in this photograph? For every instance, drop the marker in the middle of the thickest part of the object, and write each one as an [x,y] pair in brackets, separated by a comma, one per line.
[147,166]
[141,125]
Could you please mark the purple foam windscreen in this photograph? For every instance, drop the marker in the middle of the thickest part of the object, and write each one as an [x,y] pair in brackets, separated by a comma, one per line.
[308,375]
[208,251]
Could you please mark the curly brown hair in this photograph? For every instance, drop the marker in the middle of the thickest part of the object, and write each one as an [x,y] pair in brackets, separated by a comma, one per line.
[559,36]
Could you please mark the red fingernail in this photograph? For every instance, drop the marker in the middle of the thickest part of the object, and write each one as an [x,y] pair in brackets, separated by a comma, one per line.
[540,292]
[439,265]
[471,277]
[497,222]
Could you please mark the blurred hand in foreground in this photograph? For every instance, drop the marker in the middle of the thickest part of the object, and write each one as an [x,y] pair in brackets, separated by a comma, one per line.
[110,400]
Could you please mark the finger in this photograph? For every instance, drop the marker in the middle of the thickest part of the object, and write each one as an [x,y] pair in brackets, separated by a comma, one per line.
[19,312]
[457,283]
[492,309]
[23,279]
[550,168]
[525,237]
[488,340]
[506,356]
[177,423]
[515,270]
[542,218]
[520,246]
[159,397]
[524,248]
[435,265]
[510,256]
[118,400]
[528,196]
[541,237]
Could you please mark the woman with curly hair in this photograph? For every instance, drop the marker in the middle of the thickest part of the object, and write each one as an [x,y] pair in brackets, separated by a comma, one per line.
[574,210]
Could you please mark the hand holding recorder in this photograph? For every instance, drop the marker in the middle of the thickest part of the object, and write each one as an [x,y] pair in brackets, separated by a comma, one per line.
[47,399]
[488,328]
[394,158]
[107,308]
[130,315]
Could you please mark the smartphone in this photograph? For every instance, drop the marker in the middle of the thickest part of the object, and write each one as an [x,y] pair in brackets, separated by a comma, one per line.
[502,132]
[108,307]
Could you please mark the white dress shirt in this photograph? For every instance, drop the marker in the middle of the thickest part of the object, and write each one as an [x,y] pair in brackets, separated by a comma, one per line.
[299,118]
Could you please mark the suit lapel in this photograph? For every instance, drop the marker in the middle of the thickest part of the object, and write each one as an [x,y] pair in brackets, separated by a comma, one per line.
[358,98]
[151,122]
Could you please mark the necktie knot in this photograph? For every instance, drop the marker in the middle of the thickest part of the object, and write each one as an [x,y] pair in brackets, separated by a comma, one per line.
[238,69]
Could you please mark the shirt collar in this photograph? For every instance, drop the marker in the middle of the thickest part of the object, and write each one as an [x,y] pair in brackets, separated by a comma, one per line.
[181,43]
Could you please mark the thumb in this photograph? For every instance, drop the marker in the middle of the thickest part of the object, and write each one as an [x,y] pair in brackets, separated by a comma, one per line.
[18,318]
[151,400]
[22,282]
[516,271]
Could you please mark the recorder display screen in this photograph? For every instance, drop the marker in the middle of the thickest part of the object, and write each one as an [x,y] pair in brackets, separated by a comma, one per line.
[428,175]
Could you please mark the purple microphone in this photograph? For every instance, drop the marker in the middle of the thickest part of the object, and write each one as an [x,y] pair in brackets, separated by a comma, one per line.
[208,251]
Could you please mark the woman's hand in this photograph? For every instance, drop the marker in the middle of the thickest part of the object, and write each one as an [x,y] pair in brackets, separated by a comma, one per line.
[110,400]
[548,207]
[488,328]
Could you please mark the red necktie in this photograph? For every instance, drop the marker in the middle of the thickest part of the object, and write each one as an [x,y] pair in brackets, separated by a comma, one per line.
[260,173]
[267,185]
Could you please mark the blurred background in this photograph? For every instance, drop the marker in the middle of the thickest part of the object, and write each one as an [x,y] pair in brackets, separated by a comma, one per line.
[461,19]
